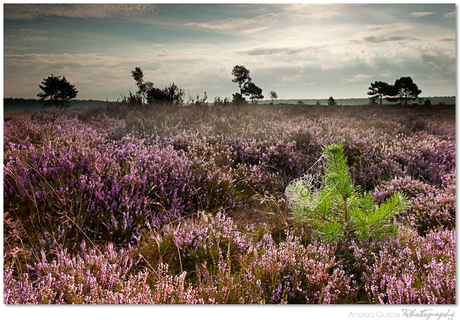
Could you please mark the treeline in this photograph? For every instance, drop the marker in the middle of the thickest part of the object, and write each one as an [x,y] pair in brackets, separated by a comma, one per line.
[57,92]
[147,94]
[21,104]
[446,100]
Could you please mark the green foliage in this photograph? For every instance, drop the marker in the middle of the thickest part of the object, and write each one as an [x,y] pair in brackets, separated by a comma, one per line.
[338,209]
[57,92]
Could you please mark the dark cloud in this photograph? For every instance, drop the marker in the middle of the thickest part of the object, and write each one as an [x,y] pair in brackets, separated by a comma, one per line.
[31,11]
[377,39]
[448,39]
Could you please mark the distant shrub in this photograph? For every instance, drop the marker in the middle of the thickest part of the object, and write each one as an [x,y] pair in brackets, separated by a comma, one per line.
[218,102]
[331,102]
[237,98]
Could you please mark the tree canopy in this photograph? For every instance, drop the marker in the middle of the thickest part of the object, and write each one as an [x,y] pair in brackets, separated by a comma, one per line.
[57,92]
[172,94]
[273,95]
[247,87]
[253,91]
[331,101]
[144,87]
[380,89]
[405,90]
[241,75]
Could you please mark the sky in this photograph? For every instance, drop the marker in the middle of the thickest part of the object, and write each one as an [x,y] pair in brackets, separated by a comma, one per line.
[299,50]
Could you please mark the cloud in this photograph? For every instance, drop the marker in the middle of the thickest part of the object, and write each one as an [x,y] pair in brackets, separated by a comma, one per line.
[255,30]
[278,51]
[377,26]
[359,77]
[450,37]
[315,9]
[31,11]
[26,35]
[440,63]
[53,60]
[387,27]
[167,53]
[418,14]
[450,15]
[25,39]
[376,32]
[232,23]
[332,66]
[313,17]
[375,39]
[302,12]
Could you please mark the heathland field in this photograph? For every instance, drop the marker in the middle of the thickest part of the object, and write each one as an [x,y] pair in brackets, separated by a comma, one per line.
[230,204]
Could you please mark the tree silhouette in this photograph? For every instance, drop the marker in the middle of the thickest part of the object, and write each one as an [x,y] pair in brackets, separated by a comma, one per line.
[138,76]
[331,102]
[237,98]
[174,95]
[57,92]
[241,75]
[144,87]
[380,89]
[405,90]
[171,95]
[253,91]
[273,95]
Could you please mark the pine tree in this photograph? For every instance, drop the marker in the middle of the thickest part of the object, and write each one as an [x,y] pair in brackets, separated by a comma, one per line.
[57,92]
[338,209]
